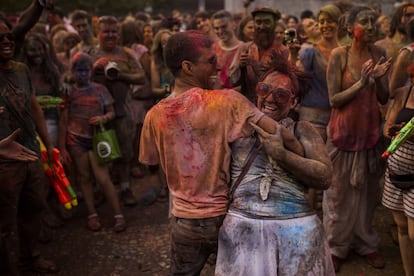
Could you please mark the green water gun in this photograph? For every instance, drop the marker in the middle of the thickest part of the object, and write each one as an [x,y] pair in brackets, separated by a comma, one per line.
[406,132]
[49,102]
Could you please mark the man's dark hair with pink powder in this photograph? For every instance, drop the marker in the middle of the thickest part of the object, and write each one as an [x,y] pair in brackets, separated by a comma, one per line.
[185,46]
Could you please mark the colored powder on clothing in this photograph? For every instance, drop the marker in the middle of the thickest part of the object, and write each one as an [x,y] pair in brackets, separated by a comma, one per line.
[214,102]
[410,70]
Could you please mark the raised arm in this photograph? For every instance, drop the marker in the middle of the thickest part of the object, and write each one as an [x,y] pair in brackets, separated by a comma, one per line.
[30,16]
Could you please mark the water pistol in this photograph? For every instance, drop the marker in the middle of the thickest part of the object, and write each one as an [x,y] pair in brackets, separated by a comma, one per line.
[50,102]
[406,132]
[57,177]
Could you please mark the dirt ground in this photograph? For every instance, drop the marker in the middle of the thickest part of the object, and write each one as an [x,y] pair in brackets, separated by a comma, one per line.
[143,248]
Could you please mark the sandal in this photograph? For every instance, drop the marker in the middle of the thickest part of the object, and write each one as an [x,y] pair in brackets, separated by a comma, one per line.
[93,223]
[41,265]
[120,224]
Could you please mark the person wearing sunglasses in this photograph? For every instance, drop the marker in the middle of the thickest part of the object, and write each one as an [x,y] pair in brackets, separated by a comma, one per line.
[21,196]
[269,199]
[189,134]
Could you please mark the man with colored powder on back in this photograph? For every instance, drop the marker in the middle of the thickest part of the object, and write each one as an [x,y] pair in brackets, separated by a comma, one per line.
[189,135]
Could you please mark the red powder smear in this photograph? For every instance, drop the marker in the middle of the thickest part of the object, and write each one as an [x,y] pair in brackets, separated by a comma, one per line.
[196,40]
[358,33]
[410,69]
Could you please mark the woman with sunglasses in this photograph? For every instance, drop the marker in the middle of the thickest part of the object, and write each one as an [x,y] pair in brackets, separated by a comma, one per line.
[357,79]
[270,229]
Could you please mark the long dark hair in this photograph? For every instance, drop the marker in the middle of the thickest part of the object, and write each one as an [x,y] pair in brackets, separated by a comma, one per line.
[131,33]
[51,68]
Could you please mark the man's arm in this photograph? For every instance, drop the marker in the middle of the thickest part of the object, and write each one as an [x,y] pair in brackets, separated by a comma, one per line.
[289,140]
[30,16]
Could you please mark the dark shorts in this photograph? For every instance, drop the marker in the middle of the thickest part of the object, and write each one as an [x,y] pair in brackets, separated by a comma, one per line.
[192,242]
[78,145]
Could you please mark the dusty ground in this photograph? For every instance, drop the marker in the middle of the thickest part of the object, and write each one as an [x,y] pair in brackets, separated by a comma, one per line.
[143,248]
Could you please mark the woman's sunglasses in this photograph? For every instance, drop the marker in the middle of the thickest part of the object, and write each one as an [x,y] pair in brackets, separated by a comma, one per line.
[280,95]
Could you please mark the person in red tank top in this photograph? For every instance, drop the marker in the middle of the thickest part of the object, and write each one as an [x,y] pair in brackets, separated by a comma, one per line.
[356,77]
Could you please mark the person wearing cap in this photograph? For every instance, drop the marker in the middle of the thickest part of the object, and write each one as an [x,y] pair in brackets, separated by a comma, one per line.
[252,58]
[270,229]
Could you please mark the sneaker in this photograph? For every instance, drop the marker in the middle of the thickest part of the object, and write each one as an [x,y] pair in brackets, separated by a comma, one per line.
[128,197]
[337,262]
[375,260]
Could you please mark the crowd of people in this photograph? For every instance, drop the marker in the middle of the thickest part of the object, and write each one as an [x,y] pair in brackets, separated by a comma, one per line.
[265,130]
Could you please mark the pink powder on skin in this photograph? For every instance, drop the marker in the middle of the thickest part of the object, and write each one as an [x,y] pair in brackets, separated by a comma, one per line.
[359,33]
